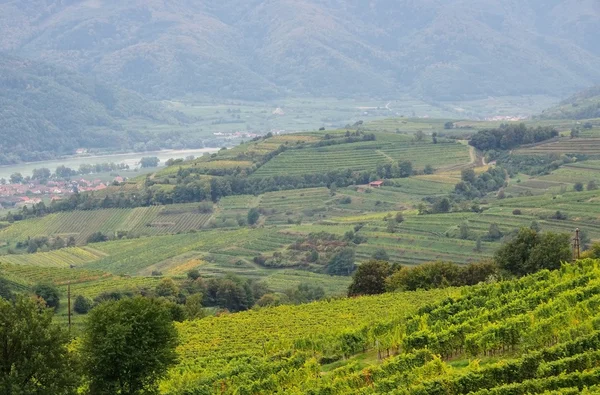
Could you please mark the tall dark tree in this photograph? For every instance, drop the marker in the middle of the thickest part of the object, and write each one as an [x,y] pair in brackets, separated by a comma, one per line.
[128,346]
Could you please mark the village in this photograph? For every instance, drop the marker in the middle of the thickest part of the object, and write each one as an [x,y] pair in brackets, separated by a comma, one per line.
[18,195]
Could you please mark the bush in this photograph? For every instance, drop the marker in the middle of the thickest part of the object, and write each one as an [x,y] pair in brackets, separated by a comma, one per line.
[97,237]
[517,212]
[578,186]
[49,293]
[82,305]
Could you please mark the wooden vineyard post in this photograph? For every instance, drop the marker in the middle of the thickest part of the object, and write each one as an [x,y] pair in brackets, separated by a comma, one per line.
[576,246]
[69,303]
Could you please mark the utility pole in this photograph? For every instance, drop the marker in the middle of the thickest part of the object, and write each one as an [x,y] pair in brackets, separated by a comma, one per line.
[69,303]
[576,245]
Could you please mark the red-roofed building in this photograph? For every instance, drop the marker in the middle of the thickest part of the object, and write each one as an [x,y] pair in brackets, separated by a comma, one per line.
[376,184]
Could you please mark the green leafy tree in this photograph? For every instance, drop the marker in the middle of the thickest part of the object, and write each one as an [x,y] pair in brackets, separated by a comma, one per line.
[253,216]
[342,263]
[592,185]
[193,307]
[82,305]
[128,346]
[529,252]
[369,278]
[578,186]
[49,293]
[167,288]
[150,161]
[551,250]
[34,356]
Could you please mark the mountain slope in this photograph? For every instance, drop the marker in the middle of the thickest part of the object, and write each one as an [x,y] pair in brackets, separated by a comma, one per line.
[264,48]
[583,105]
[45,110]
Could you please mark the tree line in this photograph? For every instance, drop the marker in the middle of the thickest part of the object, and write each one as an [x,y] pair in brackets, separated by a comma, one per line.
[529,251]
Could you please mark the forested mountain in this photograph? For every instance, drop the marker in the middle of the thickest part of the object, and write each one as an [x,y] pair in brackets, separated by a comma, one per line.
[45,108]
[266,48]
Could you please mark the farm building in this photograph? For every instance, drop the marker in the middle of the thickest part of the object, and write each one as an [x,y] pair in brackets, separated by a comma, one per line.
[376,184]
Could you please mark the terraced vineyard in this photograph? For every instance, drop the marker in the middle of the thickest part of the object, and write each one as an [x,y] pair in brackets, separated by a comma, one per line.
[363,156]
[586,146]
[531,335]
[65,257]
[149,221]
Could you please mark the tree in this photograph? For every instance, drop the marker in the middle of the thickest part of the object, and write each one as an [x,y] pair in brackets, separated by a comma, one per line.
[82,305]
[149,161]
[369,278]
[166,288]
[41,174]
[193,274]
[530,252]
[478,244]
[16,178]
[551,250]
[592,185]
[428,169]
[391,226]
[97,237]
[512,256]
[305,293]
[434,136]
[128,346]
[193,307]
[419,135]
[399,218]
[449,125]
[442,206]
[494,232]
[253,216]
[49,293]
[468,175]
[35,359]
[380,255]
[406,168]
[342,263]
[578,186]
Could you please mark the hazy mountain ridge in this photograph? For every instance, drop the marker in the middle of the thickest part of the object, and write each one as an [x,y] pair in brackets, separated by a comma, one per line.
[45,108]
[265,48]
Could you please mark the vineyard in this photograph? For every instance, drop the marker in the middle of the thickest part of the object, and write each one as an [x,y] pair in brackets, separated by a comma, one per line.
[536,334]
[364,156]
[141,221]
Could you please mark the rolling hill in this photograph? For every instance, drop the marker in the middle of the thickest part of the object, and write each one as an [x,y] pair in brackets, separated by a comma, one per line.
[269,48]
[583,105]
[46,110]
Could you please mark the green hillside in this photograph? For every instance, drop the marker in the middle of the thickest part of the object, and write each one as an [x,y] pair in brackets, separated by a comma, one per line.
[47,111]
[583,105]
[532,335]
[262,49]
